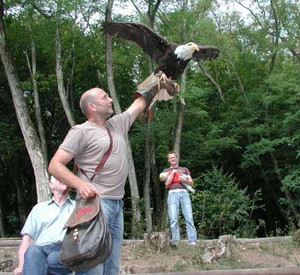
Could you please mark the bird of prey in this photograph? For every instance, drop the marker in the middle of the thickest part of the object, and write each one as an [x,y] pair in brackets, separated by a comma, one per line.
[172,58]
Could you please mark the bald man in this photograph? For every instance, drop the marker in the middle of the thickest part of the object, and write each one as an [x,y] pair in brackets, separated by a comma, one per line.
[87,143]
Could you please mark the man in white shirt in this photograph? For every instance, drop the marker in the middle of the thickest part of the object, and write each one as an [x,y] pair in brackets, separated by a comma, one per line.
[43,233]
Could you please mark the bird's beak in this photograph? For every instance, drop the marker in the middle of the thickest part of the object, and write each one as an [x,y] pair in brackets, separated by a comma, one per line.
[195,47]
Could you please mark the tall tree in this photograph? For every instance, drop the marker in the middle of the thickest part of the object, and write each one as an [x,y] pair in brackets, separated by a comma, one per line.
[33,74]
[59,69]
[149,149]
[32,142]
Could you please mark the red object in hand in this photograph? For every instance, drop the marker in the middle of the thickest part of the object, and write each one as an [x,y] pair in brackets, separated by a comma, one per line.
[176,177]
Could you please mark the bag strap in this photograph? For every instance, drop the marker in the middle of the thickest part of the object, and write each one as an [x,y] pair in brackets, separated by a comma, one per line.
[101,162]
[105,156]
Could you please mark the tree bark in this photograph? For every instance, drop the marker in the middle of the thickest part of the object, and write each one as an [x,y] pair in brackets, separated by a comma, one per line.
[32,142]
[183,85]
[157,187]
[2,229]
[212,80]
[149,140]
[60,78]
[17,179]
[71,77]
[32,70]
[180,118]
[147,174]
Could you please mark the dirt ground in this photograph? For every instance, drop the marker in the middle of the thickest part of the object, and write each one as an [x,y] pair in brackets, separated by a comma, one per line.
[139,258]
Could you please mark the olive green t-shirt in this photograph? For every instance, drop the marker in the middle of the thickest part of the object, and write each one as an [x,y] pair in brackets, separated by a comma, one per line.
[88,142]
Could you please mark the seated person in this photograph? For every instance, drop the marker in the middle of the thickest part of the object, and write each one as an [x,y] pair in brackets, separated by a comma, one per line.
[43,233]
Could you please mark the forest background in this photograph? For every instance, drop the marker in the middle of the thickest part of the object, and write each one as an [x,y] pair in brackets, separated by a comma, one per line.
[238,131]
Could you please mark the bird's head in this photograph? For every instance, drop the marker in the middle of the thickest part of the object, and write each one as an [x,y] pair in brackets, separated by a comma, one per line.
[186,51]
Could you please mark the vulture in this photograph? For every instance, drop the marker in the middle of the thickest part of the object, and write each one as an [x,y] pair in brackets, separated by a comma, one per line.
[172,58]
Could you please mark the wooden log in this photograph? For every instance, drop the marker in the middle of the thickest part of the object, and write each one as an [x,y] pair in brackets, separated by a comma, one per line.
[17,241]
[10,241]
[259,271]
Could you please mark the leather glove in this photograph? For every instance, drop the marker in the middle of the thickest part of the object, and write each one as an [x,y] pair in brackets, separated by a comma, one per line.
[153,85]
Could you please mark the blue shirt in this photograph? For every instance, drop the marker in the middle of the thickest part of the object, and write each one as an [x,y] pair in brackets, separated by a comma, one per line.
[46,221]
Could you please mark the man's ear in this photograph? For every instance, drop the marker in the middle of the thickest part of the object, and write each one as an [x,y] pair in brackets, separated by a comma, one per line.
[92,106]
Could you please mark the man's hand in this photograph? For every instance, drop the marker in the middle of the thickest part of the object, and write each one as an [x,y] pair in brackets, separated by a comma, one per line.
[87,190]
[183,178]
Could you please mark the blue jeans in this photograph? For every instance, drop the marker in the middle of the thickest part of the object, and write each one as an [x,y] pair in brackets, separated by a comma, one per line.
[43,260]
[175,200]
[113,212]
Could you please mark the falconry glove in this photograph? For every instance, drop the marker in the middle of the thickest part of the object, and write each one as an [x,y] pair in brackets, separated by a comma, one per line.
[155,87]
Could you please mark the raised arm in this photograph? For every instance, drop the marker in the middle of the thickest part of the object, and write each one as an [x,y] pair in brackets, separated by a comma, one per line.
[137,107]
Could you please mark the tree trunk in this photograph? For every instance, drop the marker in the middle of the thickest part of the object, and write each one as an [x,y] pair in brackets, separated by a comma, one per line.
[60,78]
[134,191]
[32,142]
[180,118]
[2,230]
[157,186]
[212,80]
[21,202]
[149,140]
[183,85]
[147,201]
[17,179]
[70,86]
[71,77]
[37,106]
[277,33]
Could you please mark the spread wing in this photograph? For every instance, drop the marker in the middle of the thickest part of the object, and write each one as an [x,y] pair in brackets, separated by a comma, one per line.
[206,52]
[152,43]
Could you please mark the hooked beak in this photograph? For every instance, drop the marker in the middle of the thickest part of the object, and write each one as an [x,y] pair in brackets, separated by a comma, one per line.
[195,47]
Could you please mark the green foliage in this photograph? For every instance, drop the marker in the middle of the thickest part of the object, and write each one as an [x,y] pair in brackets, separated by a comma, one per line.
[221,207]
[253,151]
[291,182]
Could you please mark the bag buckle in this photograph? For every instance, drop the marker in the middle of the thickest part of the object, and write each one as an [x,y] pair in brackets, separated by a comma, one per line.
[75,234]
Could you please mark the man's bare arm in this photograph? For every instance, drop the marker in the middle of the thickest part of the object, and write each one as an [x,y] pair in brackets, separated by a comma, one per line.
[58,169]
[136,108]
[187,179]
[26,242]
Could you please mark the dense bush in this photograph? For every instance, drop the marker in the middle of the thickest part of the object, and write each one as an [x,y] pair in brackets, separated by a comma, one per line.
[221,207]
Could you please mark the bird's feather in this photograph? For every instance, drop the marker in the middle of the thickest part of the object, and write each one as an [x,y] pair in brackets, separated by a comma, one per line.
[206,52]
[152,43]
